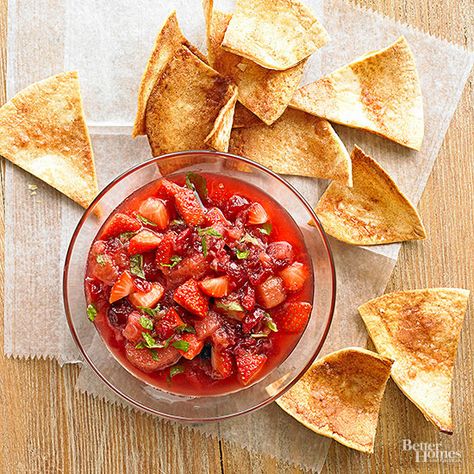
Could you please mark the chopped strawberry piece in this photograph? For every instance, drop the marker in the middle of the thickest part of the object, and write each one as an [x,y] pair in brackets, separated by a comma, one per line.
[294,276]
[133,329]
[151,360]
[104,269]
[216,219]
[292,317]
[215,216]
[169,187]
[195,346]
[194,266]
[143,242]
[222,338]
[216,287]
[147,299]
[188,207]
[118,224]
[122,287]
[222,362]
[165,249]
[249,365]
[271,292]
[167,325]
[257,214]
[205,327]
[190,297]
[154,210]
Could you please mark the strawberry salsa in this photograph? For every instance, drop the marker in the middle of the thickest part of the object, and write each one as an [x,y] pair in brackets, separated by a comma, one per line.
[199,285]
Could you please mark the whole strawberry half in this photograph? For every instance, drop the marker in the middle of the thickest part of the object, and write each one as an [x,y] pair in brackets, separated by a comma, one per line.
[188,207]
[118,224]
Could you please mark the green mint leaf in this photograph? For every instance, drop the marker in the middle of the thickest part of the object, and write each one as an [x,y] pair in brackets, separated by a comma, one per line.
[126,236]
[266,228]
[209,231]
[100,259]
[250,239]
[175,259]
[196,182]
[150,311]
[258,335]
[136,265]
[270,323]
[232,306]
[146,323]
[177,222]
[150,342]
[242,254]
[91,312]
[186,328]
[175,370]
[181,345]
[146,221]
[154,354]
[204,245]
[140,345]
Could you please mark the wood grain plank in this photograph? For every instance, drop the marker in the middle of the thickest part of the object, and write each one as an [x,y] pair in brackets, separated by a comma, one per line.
[47,427]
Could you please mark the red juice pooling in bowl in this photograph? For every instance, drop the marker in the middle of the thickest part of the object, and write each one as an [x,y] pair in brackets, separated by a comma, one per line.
[199,284]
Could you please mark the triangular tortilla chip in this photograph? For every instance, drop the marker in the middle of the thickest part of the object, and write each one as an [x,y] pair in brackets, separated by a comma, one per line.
[42,130]
[190,107]
[373,212]
[420,330]
[243,117]
[379,92]
[276,34]
[340,395]
[297,144]
[265,92]
[169,40]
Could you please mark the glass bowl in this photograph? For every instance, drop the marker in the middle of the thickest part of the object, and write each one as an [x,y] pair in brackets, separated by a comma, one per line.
[201,408]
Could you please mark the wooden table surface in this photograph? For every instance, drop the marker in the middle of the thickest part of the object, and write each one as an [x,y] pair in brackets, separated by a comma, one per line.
[47,427]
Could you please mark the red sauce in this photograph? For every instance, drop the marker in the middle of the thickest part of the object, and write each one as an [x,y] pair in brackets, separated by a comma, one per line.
[200,289]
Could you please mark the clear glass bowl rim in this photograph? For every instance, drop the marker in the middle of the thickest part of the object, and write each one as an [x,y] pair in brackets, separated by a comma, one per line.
[178,154]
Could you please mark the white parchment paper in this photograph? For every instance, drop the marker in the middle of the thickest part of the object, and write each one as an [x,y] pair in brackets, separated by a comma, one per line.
[109,43]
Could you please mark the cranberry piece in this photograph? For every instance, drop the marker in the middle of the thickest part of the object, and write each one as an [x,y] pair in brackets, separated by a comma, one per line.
[113,245]
[236,204]
[248,298]
[281,253]
[237,273]
[118,313]
[251,320]
[94,287]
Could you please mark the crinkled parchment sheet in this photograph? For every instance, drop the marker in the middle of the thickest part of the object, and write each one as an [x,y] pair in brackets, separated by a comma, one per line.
[108,43]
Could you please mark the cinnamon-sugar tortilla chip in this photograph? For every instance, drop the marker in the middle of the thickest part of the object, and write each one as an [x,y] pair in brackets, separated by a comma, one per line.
[373,212]
[219,137]
[265,92]
[243,117]
[169,40]
[296,144]
[340,395]
[190,105]
[378,92]
[43,130]
[419,330]
[276,34]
